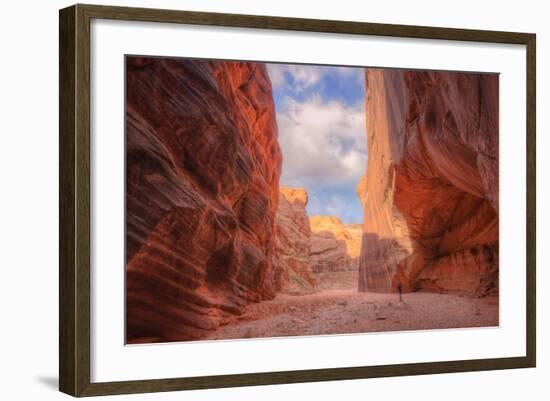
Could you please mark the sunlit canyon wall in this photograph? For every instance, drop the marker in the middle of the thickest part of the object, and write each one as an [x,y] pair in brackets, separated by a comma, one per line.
[334,246]
[203,167]
[430,193]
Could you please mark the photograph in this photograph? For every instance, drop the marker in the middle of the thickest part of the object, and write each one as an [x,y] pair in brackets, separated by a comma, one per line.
[264,200]
[271,199]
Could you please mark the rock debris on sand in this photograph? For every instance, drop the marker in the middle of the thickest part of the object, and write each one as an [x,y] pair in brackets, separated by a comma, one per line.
[349,311]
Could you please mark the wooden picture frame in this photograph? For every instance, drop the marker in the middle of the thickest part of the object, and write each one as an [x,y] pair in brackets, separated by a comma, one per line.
[74,204]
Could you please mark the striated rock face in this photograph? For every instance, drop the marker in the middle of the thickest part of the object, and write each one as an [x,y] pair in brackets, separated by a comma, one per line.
[334,246]
[292,243]
[431,190]
[203,166]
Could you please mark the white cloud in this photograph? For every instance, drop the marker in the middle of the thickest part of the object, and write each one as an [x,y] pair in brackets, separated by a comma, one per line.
[303,77]
[277,75]
[323,143]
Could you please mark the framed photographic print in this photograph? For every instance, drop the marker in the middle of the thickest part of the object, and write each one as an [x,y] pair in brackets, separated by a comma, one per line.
[250,200]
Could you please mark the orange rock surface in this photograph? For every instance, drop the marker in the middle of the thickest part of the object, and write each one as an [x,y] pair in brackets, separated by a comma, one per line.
[334,245]
[203,166]
[430,194]
[292,243]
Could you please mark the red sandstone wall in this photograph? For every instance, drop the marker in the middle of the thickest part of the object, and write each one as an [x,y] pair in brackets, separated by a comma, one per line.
[431,190]
[292,243]
[203,166]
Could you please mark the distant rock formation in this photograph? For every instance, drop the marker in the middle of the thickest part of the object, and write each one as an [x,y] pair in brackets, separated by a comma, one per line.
[203,166]
[334,246]
[292,243]
[353,244]
[430,194]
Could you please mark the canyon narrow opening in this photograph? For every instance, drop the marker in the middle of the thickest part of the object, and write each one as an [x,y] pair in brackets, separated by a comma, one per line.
[320,113]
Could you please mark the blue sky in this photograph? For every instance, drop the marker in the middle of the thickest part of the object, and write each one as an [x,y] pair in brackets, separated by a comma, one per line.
[321,120]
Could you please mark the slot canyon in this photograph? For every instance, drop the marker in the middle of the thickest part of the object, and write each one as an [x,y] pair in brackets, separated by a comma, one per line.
[217,246]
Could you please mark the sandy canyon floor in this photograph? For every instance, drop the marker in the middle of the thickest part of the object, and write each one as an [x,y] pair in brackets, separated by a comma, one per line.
[344,310]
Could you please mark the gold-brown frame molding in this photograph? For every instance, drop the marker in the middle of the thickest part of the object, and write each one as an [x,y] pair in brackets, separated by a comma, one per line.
[74,199]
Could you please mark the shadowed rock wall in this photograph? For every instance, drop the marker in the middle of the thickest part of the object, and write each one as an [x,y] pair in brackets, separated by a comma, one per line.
[430,194]
[292,243]
[203,166]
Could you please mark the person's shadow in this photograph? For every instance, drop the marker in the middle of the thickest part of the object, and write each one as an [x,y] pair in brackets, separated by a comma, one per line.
[49,381]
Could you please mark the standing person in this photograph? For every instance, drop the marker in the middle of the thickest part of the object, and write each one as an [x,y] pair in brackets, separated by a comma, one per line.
[400,289]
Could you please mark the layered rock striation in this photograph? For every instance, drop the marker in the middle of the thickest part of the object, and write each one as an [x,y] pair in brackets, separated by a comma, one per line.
[292,243]
[430,193]
[203,166]
[334,245]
